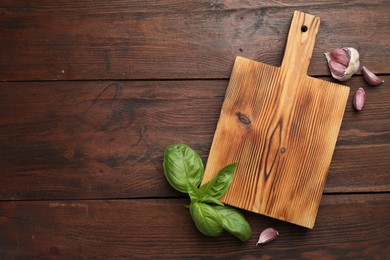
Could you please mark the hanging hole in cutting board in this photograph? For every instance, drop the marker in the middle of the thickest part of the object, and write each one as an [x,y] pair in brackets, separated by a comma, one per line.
[304,28]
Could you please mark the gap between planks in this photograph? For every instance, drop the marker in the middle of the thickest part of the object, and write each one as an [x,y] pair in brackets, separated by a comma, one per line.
[168,79]
[174,197]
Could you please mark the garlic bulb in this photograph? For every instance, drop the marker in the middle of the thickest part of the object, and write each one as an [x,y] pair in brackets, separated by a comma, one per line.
[343,62]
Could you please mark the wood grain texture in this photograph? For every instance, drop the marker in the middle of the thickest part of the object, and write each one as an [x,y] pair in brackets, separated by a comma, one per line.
[81,140]
[137,39]
[285,144]
[81,161]
[348,226]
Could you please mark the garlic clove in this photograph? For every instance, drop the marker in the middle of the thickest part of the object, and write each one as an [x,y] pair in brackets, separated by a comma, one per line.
[370,77]
[337,69]
[341,56]
[359,99]
[267,235]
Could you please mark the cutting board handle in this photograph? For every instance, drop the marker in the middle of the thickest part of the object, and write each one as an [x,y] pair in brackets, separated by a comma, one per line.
[300,43]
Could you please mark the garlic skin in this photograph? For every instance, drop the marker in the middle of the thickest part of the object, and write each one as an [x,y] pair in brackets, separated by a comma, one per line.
[343,62]
[371,78]
[359,99]
[267,235]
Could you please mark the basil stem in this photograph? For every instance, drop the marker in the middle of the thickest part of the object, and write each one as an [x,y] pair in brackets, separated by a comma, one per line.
[196,195]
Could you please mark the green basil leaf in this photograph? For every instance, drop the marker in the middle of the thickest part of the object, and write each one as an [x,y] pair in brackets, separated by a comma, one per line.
[219,185]
[207,219]
[182,165]
[234,222]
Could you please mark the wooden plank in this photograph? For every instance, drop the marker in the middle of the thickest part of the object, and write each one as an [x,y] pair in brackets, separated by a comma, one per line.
[51,40]
[106,139]
[348,226]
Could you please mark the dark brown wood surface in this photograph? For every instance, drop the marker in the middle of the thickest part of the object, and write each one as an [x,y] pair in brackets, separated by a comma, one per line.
[92,92]
[162,228]
[72,140]
[63,40]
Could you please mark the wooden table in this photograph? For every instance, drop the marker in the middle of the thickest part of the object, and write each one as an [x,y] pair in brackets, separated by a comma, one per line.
[92,92]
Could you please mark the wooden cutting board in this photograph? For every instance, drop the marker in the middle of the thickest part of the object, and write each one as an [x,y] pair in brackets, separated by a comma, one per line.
[281,126]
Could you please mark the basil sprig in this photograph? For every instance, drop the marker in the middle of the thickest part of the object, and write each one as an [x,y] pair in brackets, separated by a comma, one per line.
[184,171]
